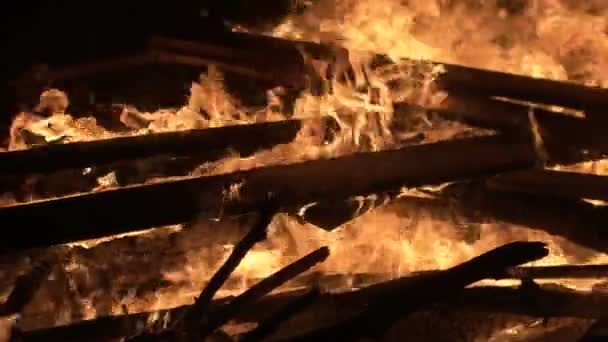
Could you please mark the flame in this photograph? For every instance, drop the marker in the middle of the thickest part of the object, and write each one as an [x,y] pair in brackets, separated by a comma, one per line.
[549,39]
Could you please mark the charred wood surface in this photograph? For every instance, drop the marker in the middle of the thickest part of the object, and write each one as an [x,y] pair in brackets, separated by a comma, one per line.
[110,212]
[563,136]
[200,310]
[571,218]
[270,325]
[543,301]
[552,183]
[247,299]
[208,143]
[403,298]
[482,82]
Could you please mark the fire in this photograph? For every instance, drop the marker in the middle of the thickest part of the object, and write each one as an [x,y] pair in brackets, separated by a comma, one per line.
[551,39]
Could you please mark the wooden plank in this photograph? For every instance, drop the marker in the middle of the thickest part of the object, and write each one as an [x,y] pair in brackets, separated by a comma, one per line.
[545,301]
[552,183]
[563,136]
[480,82]
[110,212]
[201,143]
[400,298]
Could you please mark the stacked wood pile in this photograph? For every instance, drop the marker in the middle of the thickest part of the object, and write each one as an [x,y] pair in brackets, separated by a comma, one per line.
[499,177]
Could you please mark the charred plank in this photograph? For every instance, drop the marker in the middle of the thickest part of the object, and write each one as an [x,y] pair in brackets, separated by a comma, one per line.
[563,136]
[406,297]
[544,301]
[203,143]
[110,212]
[552,183]
[482,82]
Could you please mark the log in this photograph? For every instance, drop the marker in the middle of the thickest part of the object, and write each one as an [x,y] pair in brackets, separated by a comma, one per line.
[545,301]
[552,183]
[559,131]
[407,297]
[597,332]
[560,271]
[199,311]
[248,298]
[563,136]
[524,88]
[573,219]
[198,325]
[26,287]
[482,82]
[577,221]
[286,68]
[201,307]
[202,143]
[182,200]
[358,280]
[270,325]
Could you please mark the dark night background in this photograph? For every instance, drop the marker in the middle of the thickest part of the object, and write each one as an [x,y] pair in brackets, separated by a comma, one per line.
[67,32]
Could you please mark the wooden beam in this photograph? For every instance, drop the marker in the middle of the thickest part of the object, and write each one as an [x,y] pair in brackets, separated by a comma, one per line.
[563,136]
[481,82]
[552,183]
[201,143]
[110,212]
[544,301]
[401,298]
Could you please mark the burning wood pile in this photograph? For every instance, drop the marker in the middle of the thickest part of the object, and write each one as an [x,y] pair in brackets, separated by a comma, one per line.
[389,197]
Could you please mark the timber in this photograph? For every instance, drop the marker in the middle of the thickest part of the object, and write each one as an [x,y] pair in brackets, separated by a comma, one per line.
[202,303]
[552,183]
[407,297]
[250,297]
[202,143]
[599,271]
[483,82]
[270,325]
[544,301]
[563,136]
[86,216]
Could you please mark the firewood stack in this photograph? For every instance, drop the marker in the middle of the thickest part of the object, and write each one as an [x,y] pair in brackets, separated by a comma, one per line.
[503,177]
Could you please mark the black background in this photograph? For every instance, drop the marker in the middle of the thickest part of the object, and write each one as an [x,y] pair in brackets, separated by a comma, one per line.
[66,32]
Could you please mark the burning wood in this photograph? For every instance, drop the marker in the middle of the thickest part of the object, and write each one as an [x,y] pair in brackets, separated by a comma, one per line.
[245,139]
[540,301]
[293,185]
[563,136]
[545,301]
[26,286]
[200,309]
[553,183]
[270,325]
[382,314]
[488,83]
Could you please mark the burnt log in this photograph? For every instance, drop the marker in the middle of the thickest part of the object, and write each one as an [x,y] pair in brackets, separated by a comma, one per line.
[482,82]
[246,300]
[109,212]
[563,136]
[270,325]
[544,301]
[552,183]
[571,218]
[195,324]
[407,297]
[560,271]
[201,143]
[202,303]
